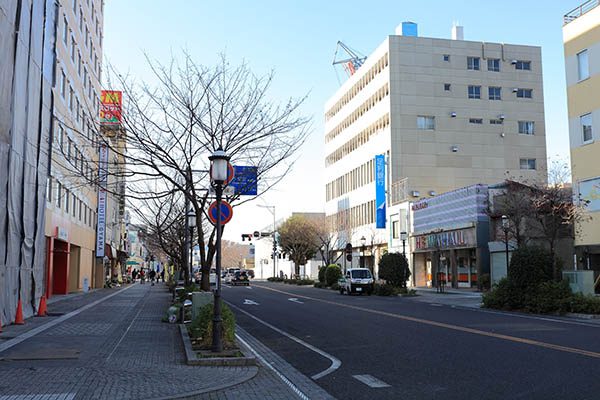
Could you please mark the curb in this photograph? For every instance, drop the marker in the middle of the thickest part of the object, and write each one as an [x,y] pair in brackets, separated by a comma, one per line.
[193,359]
[582,316]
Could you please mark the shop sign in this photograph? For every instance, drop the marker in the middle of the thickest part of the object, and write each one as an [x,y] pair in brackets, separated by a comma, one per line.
[419,206]
[442,240]
[62,234]
[102,182]
[380,213]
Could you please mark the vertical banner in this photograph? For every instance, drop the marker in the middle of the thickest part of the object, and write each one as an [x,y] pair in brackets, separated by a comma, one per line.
[102,181]
[380,191]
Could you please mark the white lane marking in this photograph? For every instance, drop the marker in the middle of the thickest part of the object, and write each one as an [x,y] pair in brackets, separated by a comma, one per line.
[435,304]
[58,396]
[128,328]
[248,287]
[250,302]
[295,300]
[335,363]
[13,342]
[279,374]
[371,381]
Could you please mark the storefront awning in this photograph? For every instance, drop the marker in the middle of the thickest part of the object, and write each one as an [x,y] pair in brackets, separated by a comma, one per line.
[132,262]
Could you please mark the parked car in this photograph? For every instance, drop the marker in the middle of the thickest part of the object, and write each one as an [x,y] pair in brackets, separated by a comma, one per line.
[358,280]
[250,273]
[228,277]
[213,276]
[240,278]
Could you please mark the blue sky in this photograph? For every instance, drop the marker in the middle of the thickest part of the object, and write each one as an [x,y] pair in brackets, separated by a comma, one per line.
[297,39]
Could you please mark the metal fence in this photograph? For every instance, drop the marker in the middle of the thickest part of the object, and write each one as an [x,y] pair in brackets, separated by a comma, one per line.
[579,11]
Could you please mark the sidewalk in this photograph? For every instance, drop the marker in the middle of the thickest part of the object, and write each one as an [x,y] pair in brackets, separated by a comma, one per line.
[452,297]
[111,344]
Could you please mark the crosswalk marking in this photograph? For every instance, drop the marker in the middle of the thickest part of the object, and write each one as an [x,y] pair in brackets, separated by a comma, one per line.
[371,381]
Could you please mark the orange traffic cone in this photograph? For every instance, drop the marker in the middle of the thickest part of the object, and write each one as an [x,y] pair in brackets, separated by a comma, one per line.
[42,309]
[19,317]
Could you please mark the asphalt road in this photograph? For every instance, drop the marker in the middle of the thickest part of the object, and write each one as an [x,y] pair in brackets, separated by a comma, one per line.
[403,348]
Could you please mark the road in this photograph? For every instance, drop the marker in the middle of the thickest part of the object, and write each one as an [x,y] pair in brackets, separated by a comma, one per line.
[366,347]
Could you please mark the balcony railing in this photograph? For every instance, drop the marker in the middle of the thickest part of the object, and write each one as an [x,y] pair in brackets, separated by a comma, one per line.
[579,11]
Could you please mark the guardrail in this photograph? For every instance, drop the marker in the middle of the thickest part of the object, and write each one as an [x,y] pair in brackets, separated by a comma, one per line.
[579,11]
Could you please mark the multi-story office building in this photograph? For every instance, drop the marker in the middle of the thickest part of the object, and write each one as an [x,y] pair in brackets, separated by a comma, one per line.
[445,113]
[581,36]
[71,197]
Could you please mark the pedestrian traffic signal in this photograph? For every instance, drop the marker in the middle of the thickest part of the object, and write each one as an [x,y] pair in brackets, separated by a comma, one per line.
[246,236]
[348,251]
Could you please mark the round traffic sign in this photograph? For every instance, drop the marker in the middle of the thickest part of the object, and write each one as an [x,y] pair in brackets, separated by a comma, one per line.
[230,174]
[226,212]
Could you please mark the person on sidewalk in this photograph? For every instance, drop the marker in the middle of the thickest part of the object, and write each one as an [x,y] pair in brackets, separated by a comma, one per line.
[152,275]
[162,275]
[142,276]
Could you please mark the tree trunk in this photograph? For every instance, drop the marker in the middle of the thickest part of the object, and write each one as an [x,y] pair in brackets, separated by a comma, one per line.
[297,269]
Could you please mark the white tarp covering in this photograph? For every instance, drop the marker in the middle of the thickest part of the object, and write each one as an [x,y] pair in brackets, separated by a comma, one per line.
[27,45]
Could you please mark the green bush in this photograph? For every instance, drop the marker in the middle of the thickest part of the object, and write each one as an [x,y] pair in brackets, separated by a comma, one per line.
[322,272]
[484,282]
[334,272]
[530,266]
[335,286]
[319,285]
[385,289]
[549,297]
[201,327]
[578,303]
[505,295]
[275,279]
[393,268]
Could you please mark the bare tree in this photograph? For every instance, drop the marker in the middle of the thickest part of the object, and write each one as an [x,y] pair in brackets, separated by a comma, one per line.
[189,111]
[327,241]
[233,253]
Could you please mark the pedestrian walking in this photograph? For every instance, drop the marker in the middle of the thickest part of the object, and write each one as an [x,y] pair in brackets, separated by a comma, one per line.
[162,275]
[142,276]
[152,275]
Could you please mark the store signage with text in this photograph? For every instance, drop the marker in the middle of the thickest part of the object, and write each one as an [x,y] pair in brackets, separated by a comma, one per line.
[441,240]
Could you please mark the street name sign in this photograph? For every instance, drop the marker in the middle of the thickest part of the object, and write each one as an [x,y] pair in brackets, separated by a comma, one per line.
[245,180]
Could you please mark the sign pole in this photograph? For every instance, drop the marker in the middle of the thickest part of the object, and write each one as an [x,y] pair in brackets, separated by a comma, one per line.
[217,320]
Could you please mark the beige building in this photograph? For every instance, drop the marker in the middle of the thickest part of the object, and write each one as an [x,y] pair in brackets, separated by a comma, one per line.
[581,36]
[446,113]
[71,197]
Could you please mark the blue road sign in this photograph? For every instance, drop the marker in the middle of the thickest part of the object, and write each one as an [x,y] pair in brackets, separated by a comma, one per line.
[226,212]
[245,180]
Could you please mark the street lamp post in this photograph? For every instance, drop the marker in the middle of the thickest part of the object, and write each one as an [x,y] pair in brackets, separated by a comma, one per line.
[403,237]
[219,166]
[191,223]
[505,229]
[363,241]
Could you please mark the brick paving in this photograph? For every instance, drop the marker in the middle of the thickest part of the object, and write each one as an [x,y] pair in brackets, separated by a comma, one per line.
[125,352]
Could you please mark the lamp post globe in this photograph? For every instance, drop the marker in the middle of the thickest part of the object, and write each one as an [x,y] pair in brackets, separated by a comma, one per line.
[191,219]
[363,241]
[219,163]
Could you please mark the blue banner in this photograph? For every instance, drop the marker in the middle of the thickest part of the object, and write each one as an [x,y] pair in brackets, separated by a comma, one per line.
[380,191]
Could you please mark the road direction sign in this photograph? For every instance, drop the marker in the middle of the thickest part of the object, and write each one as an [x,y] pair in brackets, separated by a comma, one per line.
[250,302]
[226,212]
[245,180]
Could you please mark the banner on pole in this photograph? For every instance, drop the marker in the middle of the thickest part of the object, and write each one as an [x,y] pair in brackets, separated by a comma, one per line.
[102,181]
[380,191]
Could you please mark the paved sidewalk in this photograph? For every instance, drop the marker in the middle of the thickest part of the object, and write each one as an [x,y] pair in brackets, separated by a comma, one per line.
[118,349]
[451,297]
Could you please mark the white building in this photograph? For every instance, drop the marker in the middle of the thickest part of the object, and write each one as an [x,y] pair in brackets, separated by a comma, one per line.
[445,114]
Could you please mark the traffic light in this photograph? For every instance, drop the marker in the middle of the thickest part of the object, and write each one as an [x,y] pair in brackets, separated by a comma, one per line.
[349,252]
[246,236]
[256,234]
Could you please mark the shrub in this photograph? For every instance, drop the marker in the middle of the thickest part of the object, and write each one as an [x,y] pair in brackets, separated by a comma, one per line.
[275,279]
[578,303]
[201,327]
[393,268]
[319,285]
[335,286]
[332,274]
[484,282]
[530,266]
[549,297]
[322,271]
[505,295]
[385,289]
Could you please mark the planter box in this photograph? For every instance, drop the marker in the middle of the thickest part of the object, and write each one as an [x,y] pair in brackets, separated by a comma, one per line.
[215,359]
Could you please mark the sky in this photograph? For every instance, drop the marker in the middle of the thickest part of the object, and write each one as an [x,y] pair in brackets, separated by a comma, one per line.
[297,40]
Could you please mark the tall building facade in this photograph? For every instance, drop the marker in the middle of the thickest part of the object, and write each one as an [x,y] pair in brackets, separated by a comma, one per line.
[71,194]
[581,37]
[445,114]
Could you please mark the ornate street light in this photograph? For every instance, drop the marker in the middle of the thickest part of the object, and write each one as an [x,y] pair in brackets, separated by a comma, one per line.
[363,241]
[219,166]
[403,237]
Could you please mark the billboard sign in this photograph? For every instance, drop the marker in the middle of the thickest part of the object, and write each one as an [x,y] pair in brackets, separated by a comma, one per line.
[102,181]
[110,107]
[380,191]
[589,191]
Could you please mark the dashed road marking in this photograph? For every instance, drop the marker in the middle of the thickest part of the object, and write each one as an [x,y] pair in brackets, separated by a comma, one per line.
[251,302]
[371,381]
[295,300]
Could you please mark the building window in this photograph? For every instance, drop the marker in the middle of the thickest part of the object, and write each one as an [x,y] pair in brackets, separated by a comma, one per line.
[583,65]
[67,201]
[473,63]
[79,63]
[395,229]
[71,103]
[75,7]
[474,92]
[447,87]
[447,57]
[63,84]
[527,163]
[425,123]
[49,188]
[524,65]
[58,194]
[475,121]
[524,93]
[73,49]
[74,204]
[80,208]
[496,122]
[65,31]
[586,128]
[525,127]
[80,20]
[493,64]
[494,93]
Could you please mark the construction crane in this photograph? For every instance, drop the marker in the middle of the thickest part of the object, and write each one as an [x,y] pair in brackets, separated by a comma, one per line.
[350,64]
